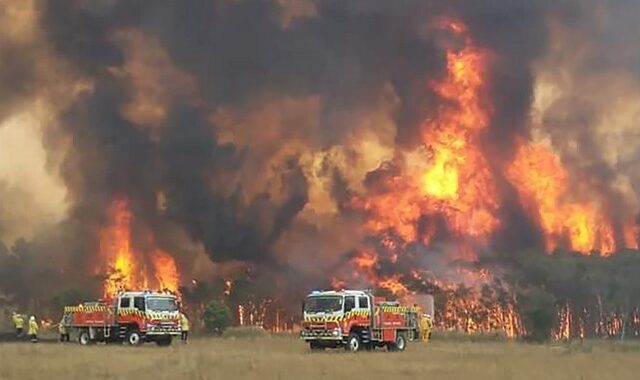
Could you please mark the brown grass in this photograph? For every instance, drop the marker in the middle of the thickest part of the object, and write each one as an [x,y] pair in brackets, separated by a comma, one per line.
[267,358]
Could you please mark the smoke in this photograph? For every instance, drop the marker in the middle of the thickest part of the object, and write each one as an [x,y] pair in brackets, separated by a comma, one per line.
[587,93]
[253,132]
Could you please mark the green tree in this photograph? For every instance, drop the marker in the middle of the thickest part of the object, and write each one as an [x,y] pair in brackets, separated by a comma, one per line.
[217,317]
[538,309]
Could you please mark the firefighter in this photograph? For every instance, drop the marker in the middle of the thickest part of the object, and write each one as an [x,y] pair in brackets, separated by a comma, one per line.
[18,322]
[426,324]
[33,329]
[64,333]
[184,325]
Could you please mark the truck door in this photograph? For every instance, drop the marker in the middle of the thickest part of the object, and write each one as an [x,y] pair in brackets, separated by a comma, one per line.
[125,303]
[363,309]
[126,311]
[139,303]
[363,304]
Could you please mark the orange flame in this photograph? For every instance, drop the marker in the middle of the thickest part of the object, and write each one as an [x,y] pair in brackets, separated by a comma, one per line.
[228,287]
[631,236]
[166,271]
[127,270]
[469,315]
[542,184]
[457,182]
[393,285]
[366,260]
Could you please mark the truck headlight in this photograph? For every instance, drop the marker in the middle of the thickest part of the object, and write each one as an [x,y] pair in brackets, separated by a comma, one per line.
[337,331]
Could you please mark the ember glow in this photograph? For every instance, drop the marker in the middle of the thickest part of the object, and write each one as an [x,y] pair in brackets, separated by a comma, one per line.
[581,322]
[470,315]
[127,268]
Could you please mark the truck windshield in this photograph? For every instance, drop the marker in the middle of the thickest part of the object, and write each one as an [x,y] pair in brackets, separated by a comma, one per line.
[327,304]
[162,304]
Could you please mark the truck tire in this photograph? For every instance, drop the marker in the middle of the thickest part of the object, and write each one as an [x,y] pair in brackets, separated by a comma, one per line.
[134,338]
[84,338]
[399,344]
[354,343]
[316,346]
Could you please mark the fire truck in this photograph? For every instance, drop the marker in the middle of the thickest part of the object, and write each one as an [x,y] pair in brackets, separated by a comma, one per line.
[130,317]
[356,320]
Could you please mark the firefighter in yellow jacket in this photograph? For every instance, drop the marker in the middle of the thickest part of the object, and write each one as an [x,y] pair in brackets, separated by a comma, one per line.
[18,322]
[184,325]
[426,324]
[33,329]
[64,333]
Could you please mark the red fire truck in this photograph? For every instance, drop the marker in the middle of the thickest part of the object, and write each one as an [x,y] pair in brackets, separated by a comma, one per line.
[131,317]
[355,320]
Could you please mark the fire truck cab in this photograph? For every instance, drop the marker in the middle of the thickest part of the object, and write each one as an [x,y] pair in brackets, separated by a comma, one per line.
[355,320]
[131,317]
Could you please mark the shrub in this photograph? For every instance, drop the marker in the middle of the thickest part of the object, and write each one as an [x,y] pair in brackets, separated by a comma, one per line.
[217,317]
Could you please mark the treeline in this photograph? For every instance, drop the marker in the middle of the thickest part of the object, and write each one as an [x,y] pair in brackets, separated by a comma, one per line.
[34,281]
[576,295]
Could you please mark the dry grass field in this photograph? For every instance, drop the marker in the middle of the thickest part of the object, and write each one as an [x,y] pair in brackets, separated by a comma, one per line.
[268,358]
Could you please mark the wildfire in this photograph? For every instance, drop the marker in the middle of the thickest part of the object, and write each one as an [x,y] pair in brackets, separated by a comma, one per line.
[255,313]
[455,184]
[631,236]
[573,322]
[468,314]
[365,261]
[166,271]
[542,184]
[458,183]
[127,269]
[394,285]
[228,287]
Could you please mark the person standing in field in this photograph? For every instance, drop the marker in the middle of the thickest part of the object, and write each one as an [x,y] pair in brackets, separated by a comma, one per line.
[33,329]
[184,325]
[62,329]
[426,324]
[18,322]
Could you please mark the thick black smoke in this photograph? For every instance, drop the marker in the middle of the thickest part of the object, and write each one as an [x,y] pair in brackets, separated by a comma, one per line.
[235,51]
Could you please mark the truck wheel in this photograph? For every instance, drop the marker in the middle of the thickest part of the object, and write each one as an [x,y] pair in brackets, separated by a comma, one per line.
[134,338]
[400,343]
[164,342]
[354,344]
[84,338]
